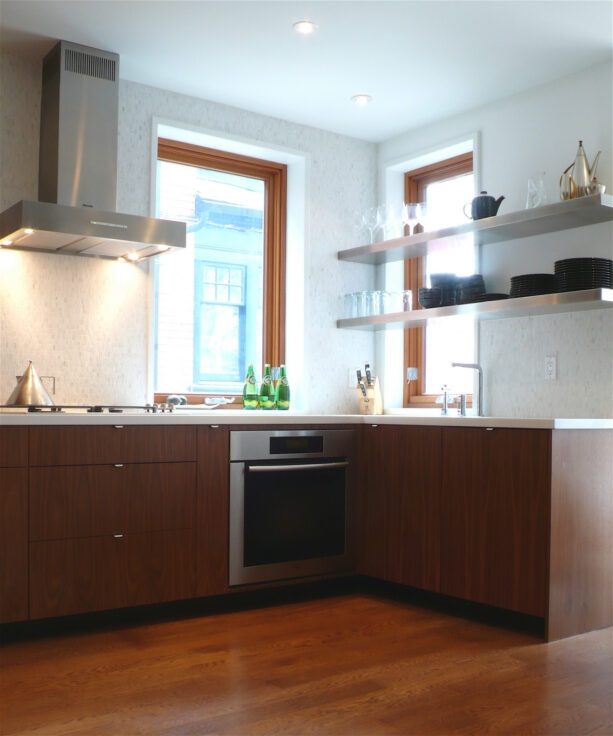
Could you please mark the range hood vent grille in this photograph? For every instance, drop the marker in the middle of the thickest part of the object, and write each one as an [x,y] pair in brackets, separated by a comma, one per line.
[89,65]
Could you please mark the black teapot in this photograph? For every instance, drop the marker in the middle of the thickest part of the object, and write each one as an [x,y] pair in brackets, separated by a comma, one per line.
[483,206]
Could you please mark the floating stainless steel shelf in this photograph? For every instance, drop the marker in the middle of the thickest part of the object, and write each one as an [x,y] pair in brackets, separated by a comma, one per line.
[525,223]
[569,301]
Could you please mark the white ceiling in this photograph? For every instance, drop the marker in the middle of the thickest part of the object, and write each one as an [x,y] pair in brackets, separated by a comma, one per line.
[420,61]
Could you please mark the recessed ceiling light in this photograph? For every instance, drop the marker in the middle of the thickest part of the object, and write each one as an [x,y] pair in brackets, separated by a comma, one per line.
[28,231]
[305,27]
[361,100]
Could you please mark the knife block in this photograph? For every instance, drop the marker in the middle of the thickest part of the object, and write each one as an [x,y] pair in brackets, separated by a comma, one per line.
[374,405]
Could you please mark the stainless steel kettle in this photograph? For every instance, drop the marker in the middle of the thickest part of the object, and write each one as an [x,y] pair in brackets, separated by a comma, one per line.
[29,390]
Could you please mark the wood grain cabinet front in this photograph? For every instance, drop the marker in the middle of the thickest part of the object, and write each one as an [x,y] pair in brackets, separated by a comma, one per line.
[118,443]
[93,500]
[13,447]
[399,504]
[84,574]
[495,516]
[13,544]
[112,517]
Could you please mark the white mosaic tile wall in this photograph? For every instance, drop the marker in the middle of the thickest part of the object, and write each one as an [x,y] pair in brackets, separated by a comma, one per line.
[81,320]
[92,325]
[514,352]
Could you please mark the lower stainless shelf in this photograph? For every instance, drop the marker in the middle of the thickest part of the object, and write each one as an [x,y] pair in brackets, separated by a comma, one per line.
[569,301]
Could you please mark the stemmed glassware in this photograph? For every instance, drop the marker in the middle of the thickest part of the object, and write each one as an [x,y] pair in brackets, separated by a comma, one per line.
[410,216]
[393,220]
[372,220]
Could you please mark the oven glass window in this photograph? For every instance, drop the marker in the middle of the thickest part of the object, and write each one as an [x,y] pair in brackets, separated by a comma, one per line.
[293,515]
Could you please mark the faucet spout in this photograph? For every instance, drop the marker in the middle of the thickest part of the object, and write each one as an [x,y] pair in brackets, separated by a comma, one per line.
[479,369]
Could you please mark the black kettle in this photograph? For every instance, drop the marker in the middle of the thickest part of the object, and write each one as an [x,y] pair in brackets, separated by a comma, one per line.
[483,206]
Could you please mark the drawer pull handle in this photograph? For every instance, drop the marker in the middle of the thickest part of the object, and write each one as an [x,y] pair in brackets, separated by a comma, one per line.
[489,429]
[117,536]
[214,426]
[118,426]
[118,465]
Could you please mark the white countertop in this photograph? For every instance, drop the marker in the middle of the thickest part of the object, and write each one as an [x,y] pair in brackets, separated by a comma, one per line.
[255,418]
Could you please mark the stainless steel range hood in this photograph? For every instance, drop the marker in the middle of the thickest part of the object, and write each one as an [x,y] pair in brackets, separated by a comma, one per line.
[77,183]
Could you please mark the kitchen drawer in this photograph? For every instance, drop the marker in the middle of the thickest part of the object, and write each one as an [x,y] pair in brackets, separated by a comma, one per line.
[13,447]
[111,444]
[92,574]
[92,500]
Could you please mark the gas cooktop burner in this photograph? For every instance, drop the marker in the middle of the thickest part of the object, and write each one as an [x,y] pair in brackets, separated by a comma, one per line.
[95,409]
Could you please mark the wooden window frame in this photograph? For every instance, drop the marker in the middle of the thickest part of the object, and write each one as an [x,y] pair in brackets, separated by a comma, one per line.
[415,183]
[274,176]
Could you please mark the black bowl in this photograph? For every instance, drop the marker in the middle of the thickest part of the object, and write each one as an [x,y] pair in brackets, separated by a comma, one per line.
[443,280]
[429,298]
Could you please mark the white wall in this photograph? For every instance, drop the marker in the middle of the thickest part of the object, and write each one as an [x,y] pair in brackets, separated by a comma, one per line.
[93,337]
[519,137]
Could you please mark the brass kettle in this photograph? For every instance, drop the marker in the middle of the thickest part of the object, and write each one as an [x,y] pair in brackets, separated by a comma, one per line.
[579,179]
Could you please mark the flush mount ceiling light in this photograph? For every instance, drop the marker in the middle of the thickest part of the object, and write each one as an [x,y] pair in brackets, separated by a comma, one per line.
[361,100]
[305,27]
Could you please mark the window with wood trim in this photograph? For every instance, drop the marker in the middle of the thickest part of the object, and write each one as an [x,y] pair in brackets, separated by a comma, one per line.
[220,304]
[445,187]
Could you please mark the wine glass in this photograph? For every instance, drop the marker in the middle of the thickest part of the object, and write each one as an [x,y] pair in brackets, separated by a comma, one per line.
[410,216]
[393,221]
[372,221]
[423,216]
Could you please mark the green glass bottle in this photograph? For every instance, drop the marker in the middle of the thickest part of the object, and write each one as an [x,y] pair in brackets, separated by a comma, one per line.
[282,391]
[250,390]
[267,390]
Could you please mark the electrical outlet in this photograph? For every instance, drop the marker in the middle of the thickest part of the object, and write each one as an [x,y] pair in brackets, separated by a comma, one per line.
[551,368]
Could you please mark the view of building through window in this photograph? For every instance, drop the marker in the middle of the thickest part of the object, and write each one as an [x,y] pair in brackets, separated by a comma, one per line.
[451,340]
[208,299]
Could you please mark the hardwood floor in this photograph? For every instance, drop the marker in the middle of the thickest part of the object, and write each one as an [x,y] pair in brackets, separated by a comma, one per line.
[356,663]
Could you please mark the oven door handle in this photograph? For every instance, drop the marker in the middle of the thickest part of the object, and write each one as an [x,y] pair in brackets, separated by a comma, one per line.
[305,466]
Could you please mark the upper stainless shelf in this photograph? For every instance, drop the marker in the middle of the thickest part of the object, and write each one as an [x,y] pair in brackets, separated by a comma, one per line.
[569,301]
[525,223]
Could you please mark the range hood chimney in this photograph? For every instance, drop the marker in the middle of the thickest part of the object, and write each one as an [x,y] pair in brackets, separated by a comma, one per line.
[77,183]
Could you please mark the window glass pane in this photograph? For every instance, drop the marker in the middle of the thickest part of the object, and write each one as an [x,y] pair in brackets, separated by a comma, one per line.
[220,341]
[201,345]
[449,341]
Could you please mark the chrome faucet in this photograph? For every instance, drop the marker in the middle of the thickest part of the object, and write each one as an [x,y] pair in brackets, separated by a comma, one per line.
[476,367]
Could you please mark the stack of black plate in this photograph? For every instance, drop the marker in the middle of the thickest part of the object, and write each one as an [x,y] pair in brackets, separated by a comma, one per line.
[446,282]
[468,288]
[574,274]
[531,284]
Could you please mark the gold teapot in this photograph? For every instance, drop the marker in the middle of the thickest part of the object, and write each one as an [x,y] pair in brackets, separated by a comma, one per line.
[579,179]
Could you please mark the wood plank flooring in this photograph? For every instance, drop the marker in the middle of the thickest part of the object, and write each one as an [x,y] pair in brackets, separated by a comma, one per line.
[357,663]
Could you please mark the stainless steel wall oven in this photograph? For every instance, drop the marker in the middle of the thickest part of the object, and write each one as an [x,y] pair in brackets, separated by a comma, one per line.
[288,503]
